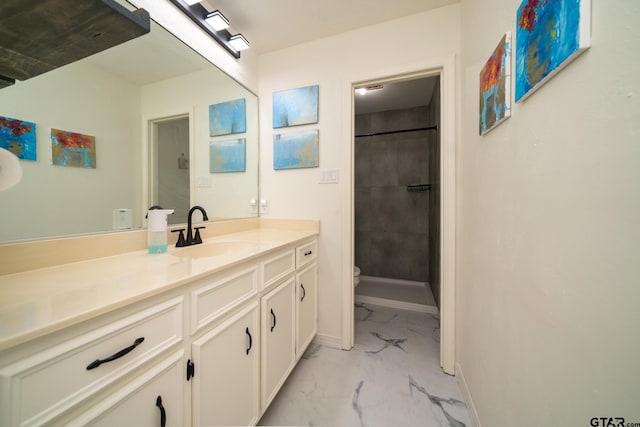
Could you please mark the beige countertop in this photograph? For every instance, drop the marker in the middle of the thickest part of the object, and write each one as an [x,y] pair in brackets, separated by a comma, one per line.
[40,301]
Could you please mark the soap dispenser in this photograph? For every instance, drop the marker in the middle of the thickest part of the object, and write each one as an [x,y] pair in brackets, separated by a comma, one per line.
[157,230]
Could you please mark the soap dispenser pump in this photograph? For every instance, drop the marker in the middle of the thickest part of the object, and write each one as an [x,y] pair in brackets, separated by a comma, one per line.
[157,230]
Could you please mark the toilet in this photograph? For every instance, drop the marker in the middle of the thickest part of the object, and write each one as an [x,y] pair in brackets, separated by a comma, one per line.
[356,275]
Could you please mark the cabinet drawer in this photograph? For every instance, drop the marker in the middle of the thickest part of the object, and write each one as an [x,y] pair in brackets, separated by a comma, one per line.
[277,267]
[141,402]
[43,386]
[306,253]
[220,293]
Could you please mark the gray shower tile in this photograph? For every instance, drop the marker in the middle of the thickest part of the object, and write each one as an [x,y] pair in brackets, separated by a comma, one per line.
[362,249]
[413,211]
[363,211]
[362,162]
[413,158]
[385,215]
[384,162]
[362,124]
[400,256]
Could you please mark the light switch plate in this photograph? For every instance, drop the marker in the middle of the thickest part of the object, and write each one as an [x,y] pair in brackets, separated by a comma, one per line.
[204,181]
[328,176]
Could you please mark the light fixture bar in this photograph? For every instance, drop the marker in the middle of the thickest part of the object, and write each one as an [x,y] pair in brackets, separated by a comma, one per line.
[198,14]
[239,42]
[192,2]
[217,20]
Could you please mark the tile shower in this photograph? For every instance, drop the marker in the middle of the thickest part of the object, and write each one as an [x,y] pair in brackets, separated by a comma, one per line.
[396,230]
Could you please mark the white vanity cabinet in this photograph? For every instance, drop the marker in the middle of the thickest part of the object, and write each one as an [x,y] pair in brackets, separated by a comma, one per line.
[155,398]
[226,378]
[278,338]
[212,350]
[40,384]
[306,307]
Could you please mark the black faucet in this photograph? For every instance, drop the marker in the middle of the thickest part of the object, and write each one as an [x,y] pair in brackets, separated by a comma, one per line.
[191,239]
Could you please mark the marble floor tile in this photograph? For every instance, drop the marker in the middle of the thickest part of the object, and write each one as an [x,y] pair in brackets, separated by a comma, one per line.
[392,377]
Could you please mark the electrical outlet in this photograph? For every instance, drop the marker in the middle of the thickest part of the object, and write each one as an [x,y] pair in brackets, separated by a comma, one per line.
[264,206]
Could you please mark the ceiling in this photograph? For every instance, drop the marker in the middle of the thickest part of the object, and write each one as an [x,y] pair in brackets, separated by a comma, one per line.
[396,96]
[271,25]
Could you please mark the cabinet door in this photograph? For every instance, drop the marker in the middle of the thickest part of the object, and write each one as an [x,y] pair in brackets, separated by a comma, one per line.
[153,397]
[278,339]
[225,388]
[306,307]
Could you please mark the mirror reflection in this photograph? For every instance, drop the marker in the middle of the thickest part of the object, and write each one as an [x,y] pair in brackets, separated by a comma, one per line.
[147,104]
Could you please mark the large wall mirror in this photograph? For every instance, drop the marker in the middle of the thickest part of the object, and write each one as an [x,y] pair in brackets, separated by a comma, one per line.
[147,103]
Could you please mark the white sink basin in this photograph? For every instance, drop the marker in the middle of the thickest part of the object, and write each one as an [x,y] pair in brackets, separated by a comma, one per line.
[204,250]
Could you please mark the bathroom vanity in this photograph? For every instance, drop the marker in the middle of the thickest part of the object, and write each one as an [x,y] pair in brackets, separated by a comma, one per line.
[202,335]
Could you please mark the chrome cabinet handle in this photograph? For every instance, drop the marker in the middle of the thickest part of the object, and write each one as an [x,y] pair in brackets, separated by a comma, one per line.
[113,357]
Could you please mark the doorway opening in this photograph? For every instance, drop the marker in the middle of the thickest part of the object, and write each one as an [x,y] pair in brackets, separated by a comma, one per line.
[397,193]
[444,68]
[169,166]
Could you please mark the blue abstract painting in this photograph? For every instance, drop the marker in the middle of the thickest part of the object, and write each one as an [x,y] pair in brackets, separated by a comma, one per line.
[495,86]
[549,35]
[295,150]
[228,118]
[228,156]
[295,107]
[18,137]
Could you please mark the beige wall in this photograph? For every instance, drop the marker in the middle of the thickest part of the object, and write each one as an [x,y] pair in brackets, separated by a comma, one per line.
[333,63]
[549,237]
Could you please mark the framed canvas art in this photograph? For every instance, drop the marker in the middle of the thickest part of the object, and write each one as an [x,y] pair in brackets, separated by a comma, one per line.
[295,150]
[228,156]
[228,118]
[495,86]
[295,107]
[549,35]
[18,137]
[73,149]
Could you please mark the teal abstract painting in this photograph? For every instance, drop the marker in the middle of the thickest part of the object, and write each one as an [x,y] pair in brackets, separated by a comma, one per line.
[228,118]
[18,137]
[295,150]
[228,156]
[549,35]
[295,107]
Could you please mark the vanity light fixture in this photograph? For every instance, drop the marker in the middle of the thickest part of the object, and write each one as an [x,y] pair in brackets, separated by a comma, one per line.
[214,23]
[217,21]
[239,42]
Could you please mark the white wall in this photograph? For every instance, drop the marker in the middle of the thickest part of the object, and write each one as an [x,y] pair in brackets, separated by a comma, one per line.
[56,200]
[549,236]
[333,63]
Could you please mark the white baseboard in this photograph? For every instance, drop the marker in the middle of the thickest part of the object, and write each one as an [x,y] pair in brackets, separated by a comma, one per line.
[422,308]
[328,341]
[467,396]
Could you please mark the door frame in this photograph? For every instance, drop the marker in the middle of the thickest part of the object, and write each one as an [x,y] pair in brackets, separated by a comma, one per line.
[445,68]
[149,152]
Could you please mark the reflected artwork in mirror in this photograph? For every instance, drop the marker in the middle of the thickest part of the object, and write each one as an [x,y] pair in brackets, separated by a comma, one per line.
[117,96]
